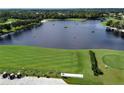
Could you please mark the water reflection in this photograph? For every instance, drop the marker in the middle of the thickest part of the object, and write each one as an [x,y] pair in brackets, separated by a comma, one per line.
[77,35]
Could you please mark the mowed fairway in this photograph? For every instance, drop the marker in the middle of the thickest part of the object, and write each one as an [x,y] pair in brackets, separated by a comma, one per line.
[115,61]
[36,61]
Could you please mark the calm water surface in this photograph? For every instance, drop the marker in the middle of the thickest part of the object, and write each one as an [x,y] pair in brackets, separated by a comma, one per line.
[77,35]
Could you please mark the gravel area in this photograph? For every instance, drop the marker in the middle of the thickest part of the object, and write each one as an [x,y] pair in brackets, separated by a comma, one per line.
[32,81]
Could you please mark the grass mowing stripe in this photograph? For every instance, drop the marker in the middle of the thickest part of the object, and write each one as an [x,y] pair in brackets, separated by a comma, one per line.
[31,60]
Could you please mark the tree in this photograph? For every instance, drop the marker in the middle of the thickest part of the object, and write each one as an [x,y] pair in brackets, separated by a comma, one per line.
[109,23]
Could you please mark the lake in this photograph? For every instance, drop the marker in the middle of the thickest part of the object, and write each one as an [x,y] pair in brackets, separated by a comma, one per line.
[68,35]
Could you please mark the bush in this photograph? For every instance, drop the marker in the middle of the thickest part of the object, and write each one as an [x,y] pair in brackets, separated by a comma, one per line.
[94,64]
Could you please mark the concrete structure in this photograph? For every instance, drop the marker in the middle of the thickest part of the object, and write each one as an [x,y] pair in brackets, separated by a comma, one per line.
[43,21]
[121,30]
[116,31]
[32,81]
[108,28]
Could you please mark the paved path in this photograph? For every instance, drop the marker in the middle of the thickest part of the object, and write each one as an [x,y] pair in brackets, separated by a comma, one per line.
[32,81]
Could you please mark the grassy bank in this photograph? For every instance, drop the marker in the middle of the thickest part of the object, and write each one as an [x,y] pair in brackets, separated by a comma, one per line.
[36,61]
[104,23]
[76,19]
[13,25]
[69,19]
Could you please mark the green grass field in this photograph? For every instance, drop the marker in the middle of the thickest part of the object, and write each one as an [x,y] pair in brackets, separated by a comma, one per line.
[69,19]
[36,61]
[11,20]
[115,61]
[76,19]
[107,19]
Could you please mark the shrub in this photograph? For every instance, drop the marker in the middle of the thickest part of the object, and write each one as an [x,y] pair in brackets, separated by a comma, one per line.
[94,64]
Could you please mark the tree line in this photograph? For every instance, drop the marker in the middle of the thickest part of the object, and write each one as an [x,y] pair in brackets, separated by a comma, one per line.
[116,23]
[18,25]
[31,17]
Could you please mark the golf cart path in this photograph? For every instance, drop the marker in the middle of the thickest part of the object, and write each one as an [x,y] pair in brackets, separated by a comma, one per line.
[32,81]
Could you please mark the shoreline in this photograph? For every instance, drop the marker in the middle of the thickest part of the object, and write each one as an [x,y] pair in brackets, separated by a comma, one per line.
[17,31]
[67,19]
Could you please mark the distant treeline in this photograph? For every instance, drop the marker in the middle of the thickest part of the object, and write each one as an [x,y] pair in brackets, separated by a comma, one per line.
[67,10]
[55,13]
[25,17]
[91,13]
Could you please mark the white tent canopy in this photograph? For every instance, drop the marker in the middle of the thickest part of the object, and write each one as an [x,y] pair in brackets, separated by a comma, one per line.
[72,75]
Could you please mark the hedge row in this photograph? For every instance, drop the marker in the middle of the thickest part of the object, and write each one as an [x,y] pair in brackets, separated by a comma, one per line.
[94,64]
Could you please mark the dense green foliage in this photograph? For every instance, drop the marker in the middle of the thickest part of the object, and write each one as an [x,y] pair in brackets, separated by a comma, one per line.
[15,25]
[116,23]
[3,19]
[115,20]
[50,13]
[94,64]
